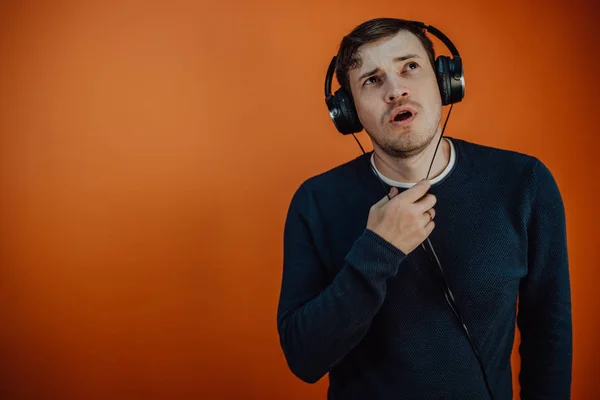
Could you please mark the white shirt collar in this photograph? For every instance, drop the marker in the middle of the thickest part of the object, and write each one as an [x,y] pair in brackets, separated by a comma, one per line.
[438,178]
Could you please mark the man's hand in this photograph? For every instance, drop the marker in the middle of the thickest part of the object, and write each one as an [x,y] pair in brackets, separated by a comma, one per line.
[407,219]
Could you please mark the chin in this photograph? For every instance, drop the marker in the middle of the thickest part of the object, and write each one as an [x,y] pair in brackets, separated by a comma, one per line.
[404,143]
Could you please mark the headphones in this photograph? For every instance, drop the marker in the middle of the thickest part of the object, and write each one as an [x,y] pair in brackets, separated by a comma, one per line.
[448,71]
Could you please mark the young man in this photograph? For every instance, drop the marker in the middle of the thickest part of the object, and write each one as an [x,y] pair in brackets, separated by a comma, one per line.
[361,297]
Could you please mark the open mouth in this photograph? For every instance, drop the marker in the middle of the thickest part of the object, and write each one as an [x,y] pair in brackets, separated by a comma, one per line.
[403,115]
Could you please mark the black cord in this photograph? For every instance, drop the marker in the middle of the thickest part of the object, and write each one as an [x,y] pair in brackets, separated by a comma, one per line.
[447,292]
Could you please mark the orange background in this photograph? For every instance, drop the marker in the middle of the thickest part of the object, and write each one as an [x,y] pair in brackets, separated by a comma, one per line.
[149,151]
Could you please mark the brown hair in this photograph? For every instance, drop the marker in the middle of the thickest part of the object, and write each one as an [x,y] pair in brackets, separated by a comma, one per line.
[371,31]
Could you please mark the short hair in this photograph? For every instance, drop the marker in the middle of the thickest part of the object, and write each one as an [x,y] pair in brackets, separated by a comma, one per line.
[371,31]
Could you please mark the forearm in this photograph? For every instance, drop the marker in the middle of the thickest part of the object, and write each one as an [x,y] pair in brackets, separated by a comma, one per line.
[546,348]
[316,334]
[545,298]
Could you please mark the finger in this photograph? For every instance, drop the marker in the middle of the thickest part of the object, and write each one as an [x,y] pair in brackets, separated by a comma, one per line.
[429,228]
[428,216]
[431,211]
[426,202]
[417,191]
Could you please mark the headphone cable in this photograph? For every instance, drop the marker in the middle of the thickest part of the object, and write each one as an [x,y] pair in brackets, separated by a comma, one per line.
[446,288]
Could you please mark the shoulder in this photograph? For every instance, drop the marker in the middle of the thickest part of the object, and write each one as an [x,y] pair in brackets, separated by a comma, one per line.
[337,179]
[504,166]
[510,169]
[489,156]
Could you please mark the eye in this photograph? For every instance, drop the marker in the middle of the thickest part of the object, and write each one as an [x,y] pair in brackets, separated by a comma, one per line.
[371,80]
[412,66]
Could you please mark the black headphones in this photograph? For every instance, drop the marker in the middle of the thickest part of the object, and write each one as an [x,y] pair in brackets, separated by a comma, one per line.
[449,73]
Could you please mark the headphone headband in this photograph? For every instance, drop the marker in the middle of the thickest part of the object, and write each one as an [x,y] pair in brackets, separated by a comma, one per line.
[329,76]
[440,35]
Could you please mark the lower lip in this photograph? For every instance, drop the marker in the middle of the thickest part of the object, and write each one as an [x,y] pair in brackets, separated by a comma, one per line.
[405,122]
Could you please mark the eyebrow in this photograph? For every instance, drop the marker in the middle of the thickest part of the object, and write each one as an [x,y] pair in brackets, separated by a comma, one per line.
[397,59]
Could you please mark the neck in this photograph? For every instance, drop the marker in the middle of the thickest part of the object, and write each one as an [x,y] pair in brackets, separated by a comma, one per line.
[414,169]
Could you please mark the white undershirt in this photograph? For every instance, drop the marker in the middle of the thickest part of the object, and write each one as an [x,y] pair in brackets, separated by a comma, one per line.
[438,178]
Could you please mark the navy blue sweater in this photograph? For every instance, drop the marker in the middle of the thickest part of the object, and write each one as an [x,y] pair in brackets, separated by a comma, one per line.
[356,307]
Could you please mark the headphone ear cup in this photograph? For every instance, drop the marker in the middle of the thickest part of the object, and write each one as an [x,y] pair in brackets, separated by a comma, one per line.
[343,113]
[442,73]
[450,79]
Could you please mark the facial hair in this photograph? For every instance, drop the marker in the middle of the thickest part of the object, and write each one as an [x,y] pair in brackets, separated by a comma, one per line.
[410,144]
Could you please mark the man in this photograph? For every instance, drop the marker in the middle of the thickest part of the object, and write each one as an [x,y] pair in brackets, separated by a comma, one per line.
[361,297]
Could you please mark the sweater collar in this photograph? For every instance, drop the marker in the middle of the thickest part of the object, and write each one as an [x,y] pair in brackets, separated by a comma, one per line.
[433,181]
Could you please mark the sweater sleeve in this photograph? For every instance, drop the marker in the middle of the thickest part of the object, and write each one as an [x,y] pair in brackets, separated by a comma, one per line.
[544,316]
[319,319]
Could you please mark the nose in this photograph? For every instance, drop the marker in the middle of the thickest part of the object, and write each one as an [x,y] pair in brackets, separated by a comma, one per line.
[395,91]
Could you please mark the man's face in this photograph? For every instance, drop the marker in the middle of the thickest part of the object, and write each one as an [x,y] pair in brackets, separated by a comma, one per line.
[395,75]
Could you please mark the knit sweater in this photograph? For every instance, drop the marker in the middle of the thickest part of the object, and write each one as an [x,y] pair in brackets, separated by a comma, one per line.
[375,319]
